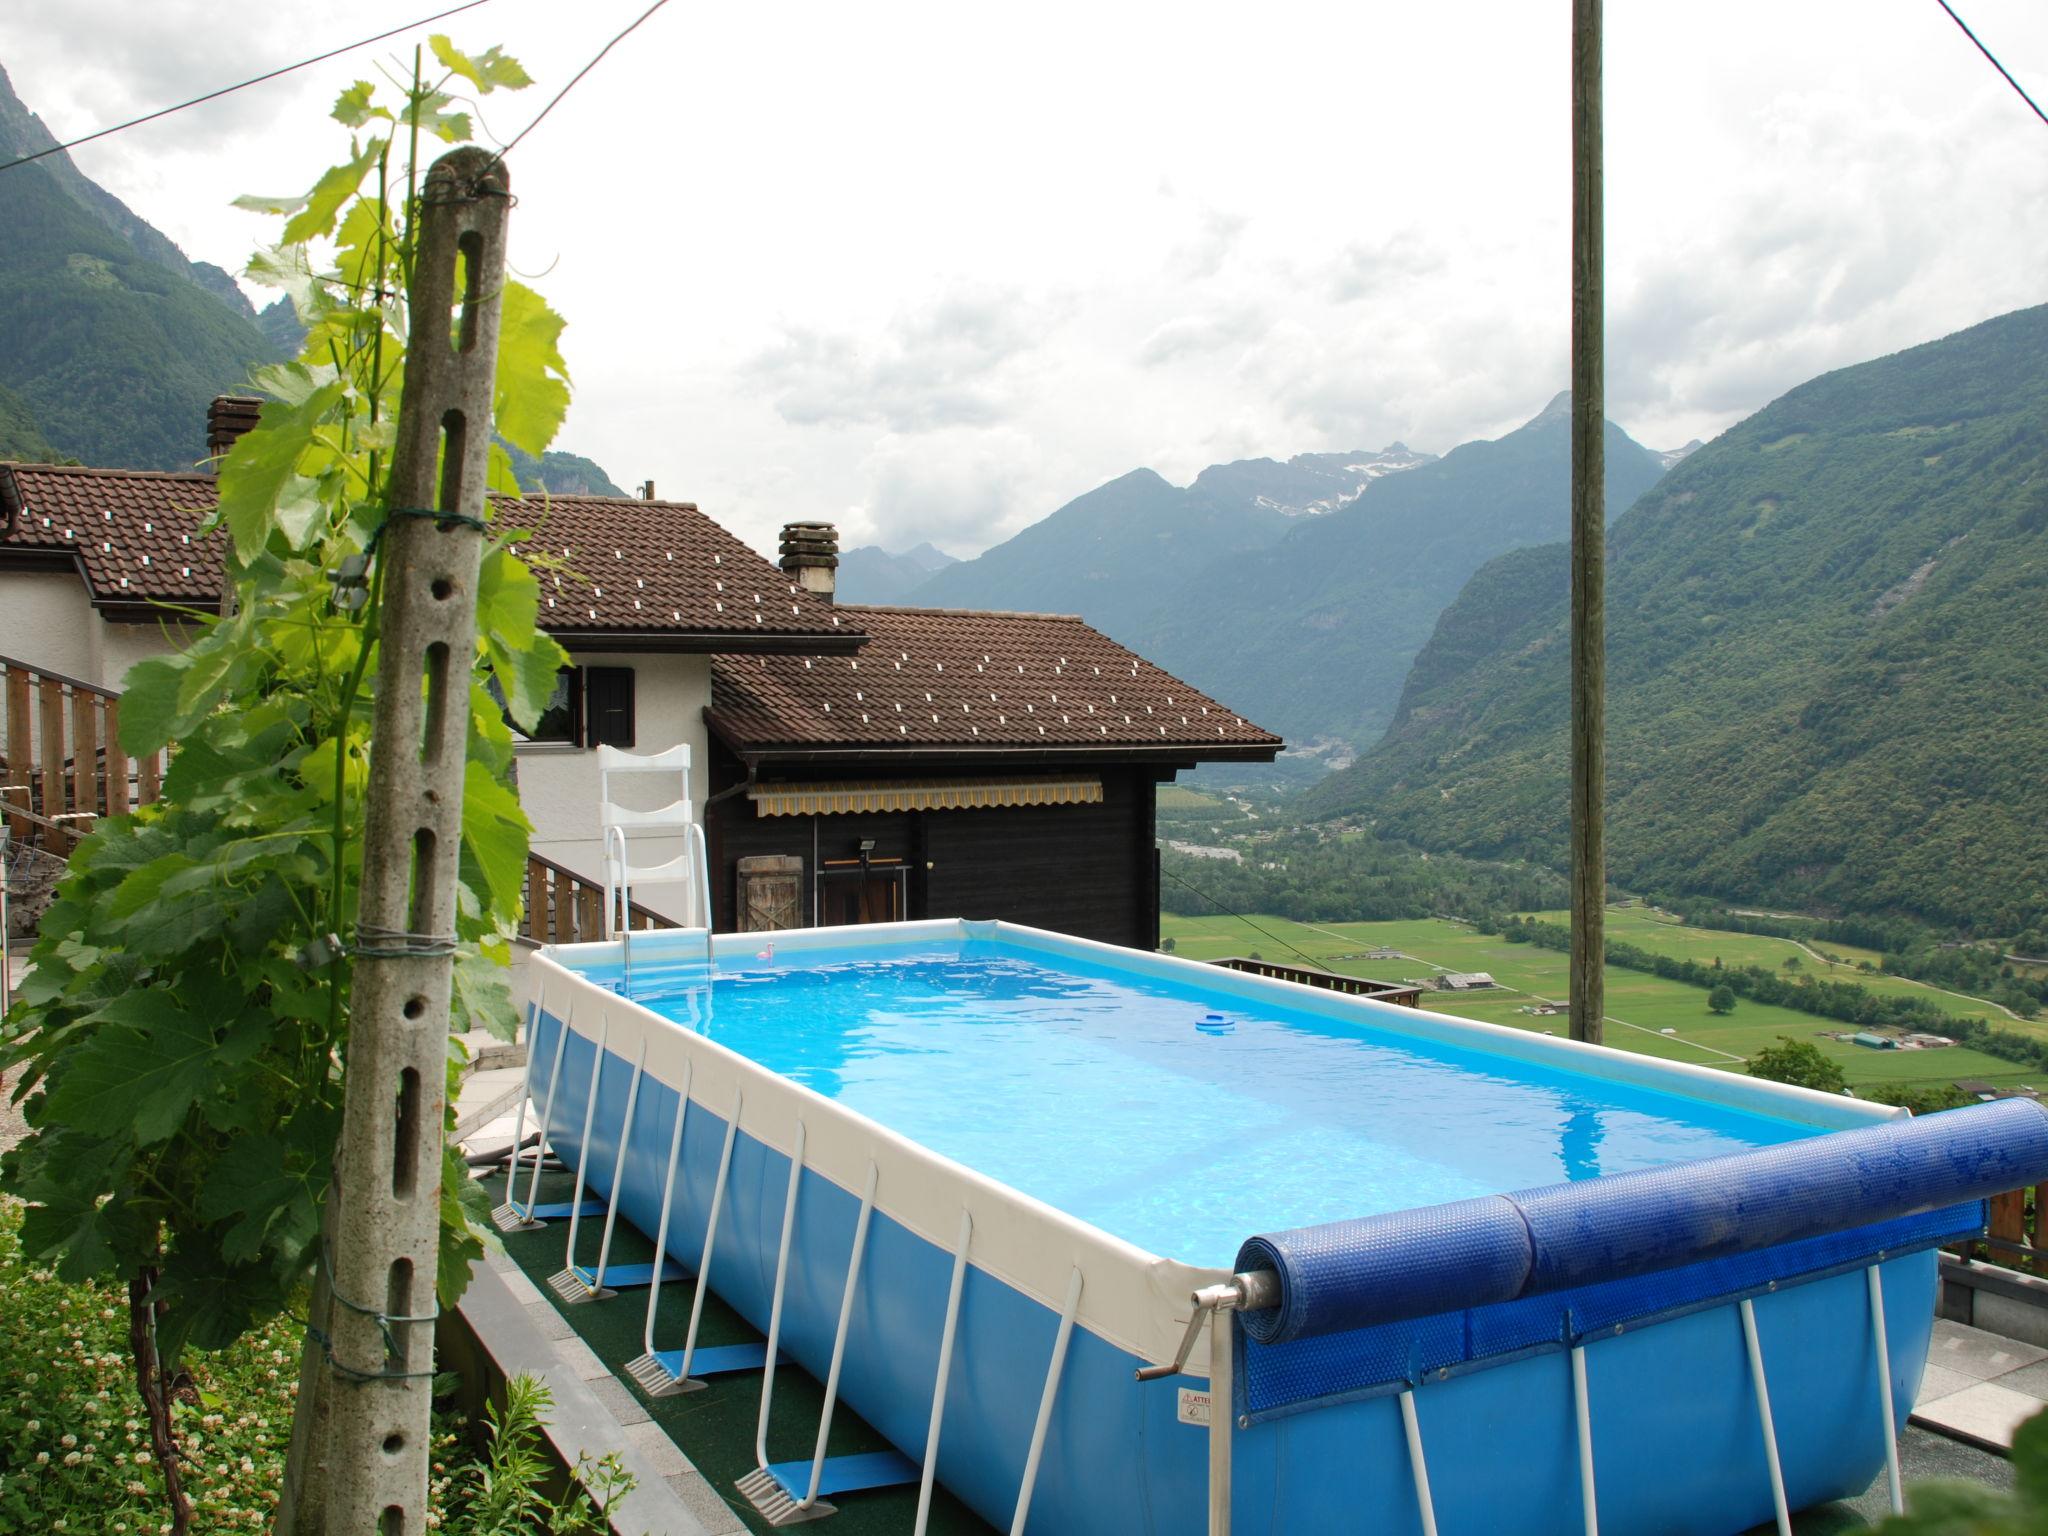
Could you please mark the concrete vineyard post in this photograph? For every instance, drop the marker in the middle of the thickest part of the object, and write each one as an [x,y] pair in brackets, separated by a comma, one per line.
[360,1450]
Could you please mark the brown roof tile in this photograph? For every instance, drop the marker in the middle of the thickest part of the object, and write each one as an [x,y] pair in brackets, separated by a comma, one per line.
[953,681]
[609,566]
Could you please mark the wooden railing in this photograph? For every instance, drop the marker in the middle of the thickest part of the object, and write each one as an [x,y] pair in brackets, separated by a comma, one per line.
[562,907]
[1329,981]
[61,765]
[2012,1238]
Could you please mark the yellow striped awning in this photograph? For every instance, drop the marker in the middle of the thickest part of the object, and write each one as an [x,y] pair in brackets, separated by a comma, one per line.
[920,795]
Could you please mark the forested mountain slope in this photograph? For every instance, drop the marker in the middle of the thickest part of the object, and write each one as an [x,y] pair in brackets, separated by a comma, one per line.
[114,343]
[1826,684]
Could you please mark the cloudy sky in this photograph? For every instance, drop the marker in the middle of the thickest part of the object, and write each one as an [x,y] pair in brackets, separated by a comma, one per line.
[931,270]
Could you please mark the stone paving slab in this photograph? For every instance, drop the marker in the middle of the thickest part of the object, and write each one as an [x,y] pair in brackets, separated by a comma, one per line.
[1980,1387]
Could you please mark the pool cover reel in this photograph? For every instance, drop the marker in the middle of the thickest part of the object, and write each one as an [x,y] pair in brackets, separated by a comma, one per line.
[1405,1265]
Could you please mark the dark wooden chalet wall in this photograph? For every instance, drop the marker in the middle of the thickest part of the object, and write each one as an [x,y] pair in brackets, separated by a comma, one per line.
[1087,870]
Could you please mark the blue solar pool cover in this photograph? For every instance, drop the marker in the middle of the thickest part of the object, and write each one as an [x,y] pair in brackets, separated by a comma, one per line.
[1373,1305]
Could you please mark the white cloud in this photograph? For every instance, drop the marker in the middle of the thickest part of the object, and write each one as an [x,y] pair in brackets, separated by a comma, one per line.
[936,270]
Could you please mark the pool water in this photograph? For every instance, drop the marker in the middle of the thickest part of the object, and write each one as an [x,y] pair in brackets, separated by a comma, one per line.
[1163,1111]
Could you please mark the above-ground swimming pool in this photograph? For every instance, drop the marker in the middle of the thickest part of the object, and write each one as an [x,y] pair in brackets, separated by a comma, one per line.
[1464,1278]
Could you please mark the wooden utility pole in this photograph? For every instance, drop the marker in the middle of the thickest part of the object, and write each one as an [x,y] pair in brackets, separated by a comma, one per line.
[360,1447]
[1589,535]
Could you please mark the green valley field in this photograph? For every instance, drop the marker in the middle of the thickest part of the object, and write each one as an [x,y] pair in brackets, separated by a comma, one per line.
[1639,1006]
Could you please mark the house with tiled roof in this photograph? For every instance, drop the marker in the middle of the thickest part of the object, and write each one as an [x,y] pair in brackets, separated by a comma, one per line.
[851,763]
[959,764]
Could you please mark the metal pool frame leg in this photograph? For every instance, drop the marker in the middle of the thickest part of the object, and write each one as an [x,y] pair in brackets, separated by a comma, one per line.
[1045,1401]
[1418,1467]
[647,1370]
[945,1371]
[604,1035]
[1582,1414]
[570,1284]
[508,1217]
[810,1499]
[1763,1410]
[682,1381]
[1884,1389]
[796,1178]
[1222,1404]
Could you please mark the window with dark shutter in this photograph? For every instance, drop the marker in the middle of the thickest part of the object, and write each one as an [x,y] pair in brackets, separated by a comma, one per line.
[561,718]
[608,706]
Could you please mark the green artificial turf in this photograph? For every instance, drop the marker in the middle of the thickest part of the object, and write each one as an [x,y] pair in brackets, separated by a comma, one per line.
[714,1427]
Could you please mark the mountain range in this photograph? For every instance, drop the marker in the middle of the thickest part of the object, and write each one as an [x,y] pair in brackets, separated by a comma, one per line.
[116,342]
[1298,591]
[1824,675]
[871,574]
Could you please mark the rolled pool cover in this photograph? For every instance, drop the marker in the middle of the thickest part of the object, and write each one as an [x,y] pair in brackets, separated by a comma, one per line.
[1471,1253]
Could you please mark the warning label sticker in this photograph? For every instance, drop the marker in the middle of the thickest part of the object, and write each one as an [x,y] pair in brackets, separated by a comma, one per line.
[1194,1406]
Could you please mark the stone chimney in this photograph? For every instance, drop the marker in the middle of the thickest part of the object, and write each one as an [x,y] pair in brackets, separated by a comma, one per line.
[227,419]
[810,555]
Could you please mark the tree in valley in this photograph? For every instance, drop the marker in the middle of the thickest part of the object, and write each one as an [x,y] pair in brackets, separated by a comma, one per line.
[1798,1062]
[1721,999]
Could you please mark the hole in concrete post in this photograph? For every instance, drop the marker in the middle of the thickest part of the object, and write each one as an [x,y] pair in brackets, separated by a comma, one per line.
[414,1007]
[392,1522]
[471,249]
[454,435]
[398,1303]
[443,589]
[437,703]
[405,1151]
[422,880]
[394,1443]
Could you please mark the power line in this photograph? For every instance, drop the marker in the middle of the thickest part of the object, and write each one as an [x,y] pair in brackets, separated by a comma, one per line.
[1952,16]
[228,90]
[577,78]
[1176,879]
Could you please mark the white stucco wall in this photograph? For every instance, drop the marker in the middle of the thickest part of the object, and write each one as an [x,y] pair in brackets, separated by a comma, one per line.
[120,646]
[559,785]
[47,620]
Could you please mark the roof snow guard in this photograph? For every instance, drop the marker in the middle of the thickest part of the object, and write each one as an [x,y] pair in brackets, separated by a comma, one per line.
[957,683]
[616,573]
[1379,1303]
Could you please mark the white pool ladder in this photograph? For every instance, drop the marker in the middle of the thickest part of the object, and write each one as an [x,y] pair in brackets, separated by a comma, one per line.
[620,825]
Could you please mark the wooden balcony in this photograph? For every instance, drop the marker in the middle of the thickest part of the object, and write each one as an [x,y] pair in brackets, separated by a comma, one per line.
[61,765]
[562,907]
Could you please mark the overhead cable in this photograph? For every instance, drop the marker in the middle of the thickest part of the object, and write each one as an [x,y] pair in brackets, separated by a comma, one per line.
[577,78]
[1952,16]
[241,85]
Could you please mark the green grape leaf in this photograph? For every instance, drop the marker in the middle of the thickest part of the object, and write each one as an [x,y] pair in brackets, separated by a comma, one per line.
[532,390]
[487,71]
[149,708]
[260,475]
[354,106]
[142,1070]
[494,833]
[322,205]
[253,202]
[522,659]
[465,1213]
[274,1185]
[483,996]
